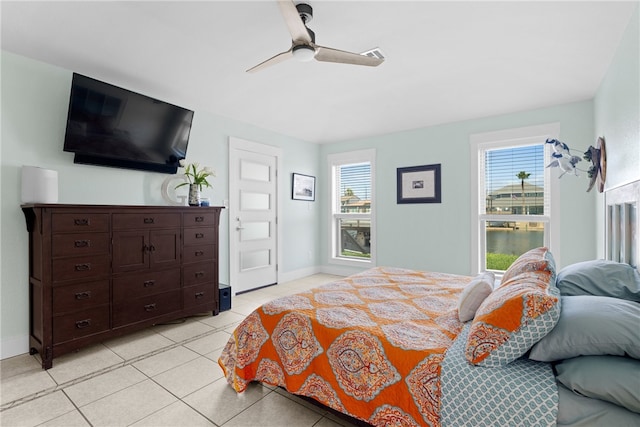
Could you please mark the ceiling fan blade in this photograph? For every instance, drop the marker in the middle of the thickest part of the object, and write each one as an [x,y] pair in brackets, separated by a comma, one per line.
[299,33]
[327,54]
[272,61]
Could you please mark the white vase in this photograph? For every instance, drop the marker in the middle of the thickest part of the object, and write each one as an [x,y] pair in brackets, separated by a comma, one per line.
[194,195]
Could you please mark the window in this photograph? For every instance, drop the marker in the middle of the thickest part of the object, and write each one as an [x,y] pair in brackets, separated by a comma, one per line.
[512,196]
[352,208]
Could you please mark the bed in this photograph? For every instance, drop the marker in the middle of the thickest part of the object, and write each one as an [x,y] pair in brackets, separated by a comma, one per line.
[392,346]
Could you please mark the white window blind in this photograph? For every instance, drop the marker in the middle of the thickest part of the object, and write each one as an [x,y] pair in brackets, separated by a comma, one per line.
[512,181]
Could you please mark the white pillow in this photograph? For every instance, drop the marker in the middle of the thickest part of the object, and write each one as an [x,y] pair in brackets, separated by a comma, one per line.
[473,295]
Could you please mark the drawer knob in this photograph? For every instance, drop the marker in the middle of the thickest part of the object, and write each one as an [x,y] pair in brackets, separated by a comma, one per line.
[199,219]
[199,253]
[149,283]
[83,267]
[82,243]
[81,221]
[199,235]
[199,295]
[81,324]
[150,307]
[148,220]
[199,274]
[83,295]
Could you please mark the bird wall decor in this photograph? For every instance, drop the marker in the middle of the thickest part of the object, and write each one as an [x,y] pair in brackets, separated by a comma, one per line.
[567,162]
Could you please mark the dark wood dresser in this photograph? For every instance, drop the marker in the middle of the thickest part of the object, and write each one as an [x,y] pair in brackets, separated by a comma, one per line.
[97,272]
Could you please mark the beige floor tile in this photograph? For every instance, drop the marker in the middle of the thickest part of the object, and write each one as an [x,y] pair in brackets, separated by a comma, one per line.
[327,422]
[137,344]
[70,419]
[183,331]
[25,384]
[103,385]
[189,377]
[245,308]
[223,319]
[92,359]
[166,360]
[128,406]
[219,402]
[37,411]
[176,414]
[214,355]
[18,365]
[275,410]
[209,343]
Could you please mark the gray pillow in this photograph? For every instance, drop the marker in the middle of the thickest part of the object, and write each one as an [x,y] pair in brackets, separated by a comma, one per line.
[579,411]
[611,378]
[590,326]
[600,277]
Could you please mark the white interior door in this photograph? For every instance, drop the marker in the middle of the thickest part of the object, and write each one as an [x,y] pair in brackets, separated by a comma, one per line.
[253,202]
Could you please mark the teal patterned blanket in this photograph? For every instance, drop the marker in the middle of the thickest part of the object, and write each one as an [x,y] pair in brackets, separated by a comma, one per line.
[523,393]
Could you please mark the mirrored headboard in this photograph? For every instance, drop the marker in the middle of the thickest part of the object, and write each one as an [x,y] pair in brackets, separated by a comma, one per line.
[622,231]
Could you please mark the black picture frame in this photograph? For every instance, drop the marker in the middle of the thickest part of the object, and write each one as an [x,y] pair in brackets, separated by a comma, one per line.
[303,187]
[419,184]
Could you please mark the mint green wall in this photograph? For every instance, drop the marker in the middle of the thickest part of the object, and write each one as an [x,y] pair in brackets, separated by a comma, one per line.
[34,104]
[617,109]
[437,236]
[617,117]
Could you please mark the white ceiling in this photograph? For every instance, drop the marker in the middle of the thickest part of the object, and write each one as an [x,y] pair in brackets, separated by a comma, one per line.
[445,61]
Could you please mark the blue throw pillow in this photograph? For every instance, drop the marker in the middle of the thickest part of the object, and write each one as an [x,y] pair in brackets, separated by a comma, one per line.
[600,277]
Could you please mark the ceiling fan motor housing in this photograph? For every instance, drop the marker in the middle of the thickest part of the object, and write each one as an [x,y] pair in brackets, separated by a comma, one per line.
[305,11]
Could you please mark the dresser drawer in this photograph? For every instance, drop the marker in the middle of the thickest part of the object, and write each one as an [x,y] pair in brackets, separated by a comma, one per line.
[198,273]
[131,286]
[81,267]
[198,295]
[198,253]
[196,219]
[146,220]
[79,222]
[80,296]
[80,324]
[140,309]
[78,244]
[199,236]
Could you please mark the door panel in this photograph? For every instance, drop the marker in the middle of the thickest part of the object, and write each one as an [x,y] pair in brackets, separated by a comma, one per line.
[253,211]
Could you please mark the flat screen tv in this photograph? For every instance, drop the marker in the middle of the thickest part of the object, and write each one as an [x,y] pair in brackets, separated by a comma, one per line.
[111,126]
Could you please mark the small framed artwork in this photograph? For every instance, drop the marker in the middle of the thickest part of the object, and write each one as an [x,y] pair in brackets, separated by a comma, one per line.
[303,187]
[419,184]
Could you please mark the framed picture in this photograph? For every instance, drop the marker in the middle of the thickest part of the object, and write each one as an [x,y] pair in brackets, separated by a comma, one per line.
[303,187]
[419,184]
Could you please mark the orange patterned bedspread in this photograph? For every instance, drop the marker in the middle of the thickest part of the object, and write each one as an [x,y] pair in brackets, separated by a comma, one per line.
[369,345]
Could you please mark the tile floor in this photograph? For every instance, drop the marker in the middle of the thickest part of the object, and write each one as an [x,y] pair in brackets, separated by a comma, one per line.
[166,375]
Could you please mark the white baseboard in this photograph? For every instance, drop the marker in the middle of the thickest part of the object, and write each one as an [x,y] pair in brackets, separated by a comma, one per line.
[298,274]
[14,346]
[341,270]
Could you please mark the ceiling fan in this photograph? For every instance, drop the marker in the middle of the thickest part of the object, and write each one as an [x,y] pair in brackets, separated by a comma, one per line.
[303,41]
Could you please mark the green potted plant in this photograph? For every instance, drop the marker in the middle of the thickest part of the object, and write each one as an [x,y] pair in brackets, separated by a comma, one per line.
[197,178]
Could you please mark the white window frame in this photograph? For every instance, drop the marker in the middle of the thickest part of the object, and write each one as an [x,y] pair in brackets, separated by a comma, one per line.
[507,139]
[338,159]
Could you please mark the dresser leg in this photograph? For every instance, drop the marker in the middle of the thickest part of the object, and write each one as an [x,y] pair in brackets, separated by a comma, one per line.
[47,358]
